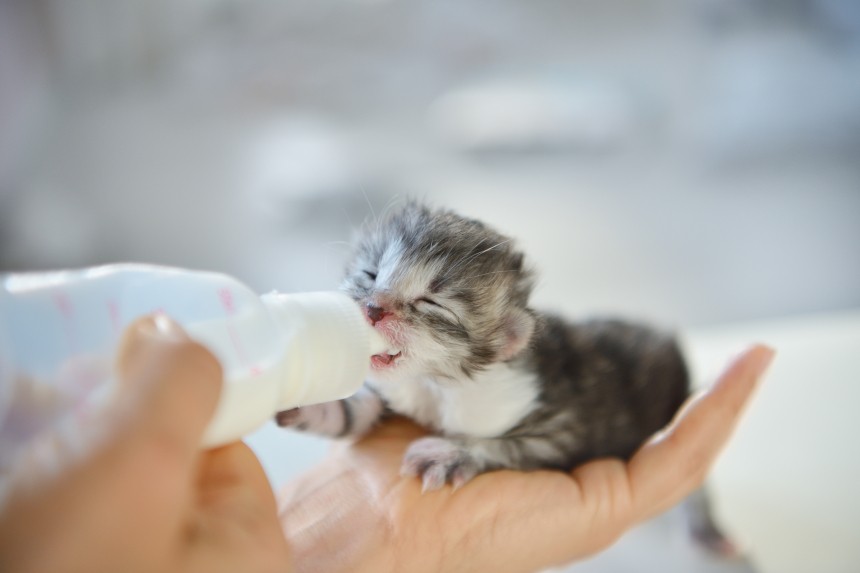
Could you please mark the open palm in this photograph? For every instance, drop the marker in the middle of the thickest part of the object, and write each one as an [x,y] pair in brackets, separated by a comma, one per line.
[354,512]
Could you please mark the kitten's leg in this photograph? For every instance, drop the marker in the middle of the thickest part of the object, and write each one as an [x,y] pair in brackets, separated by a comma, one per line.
[439,460]
[703,526]
[351,416]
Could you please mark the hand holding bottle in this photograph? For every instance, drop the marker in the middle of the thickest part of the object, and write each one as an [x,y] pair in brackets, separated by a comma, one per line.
[59,331]
[142,496]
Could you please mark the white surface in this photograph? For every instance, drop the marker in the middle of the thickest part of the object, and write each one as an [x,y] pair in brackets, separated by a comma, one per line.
[785,486]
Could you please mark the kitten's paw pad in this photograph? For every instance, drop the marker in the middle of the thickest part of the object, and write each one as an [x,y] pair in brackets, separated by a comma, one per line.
[439,461]
[327,419]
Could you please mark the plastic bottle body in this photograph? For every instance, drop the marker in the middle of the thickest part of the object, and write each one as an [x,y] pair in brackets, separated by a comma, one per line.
[60,331]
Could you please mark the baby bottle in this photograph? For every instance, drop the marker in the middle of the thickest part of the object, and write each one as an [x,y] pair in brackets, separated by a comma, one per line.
[59,332]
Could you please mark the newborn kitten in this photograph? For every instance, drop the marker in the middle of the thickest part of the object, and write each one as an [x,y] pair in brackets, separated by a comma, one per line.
[501,385]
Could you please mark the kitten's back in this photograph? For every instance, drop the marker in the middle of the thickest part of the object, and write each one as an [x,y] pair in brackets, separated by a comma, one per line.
[623,381]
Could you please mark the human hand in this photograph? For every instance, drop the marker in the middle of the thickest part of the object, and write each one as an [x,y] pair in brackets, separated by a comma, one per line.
[355,513]
[144,498]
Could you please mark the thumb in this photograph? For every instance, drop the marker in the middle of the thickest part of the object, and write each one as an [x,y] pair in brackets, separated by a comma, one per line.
[171,384]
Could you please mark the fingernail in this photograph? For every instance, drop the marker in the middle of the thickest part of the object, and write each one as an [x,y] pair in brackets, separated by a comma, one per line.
[146,339]
[763,359]
[162,327]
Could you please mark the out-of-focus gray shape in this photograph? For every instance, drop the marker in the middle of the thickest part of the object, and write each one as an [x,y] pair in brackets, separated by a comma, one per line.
[510,114]
[294,160]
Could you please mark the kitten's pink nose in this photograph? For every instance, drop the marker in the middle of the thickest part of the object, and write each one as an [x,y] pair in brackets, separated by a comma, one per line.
[375,313]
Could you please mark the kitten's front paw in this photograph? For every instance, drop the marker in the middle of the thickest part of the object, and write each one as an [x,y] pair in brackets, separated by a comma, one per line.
[326,419]
[437,461]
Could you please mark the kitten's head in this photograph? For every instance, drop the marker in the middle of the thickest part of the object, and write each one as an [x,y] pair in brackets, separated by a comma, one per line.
[448,293]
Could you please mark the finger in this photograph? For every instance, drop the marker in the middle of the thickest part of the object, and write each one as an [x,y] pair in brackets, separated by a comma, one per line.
[675,461]
[171,384]
[235,498]
[235,470]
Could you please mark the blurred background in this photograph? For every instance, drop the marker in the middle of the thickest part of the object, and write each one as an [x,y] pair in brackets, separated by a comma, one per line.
[694,163]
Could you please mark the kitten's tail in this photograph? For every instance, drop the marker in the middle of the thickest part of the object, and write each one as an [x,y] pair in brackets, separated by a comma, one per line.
[705,530]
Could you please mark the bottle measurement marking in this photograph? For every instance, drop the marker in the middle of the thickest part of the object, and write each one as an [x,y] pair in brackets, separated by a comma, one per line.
[66,308]
[225,295]
[64,304]
[115,318]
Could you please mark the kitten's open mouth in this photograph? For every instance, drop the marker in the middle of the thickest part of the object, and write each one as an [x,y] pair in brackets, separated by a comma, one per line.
[385,360]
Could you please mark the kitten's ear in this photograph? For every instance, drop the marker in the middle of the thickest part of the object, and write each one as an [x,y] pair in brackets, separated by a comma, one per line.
[519,327]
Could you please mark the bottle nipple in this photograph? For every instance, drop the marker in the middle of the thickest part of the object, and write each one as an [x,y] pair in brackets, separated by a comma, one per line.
[378,344]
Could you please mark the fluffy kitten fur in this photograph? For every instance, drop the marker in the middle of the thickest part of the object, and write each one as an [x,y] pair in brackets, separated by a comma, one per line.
[500,384]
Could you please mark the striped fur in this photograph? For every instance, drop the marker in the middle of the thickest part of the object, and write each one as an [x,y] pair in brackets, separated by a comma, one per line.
[503,385]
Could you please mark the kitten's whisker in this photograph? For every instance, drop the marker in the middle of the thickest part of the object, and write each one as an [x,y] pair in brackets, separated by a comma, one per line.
[493,273]
[369,204]
[390,204]
[332,244]
[476,255]
[459,263]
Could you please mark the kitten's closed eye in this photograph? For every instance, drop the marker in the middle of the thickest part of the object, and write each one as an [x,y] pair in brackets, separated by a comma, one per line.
[426,305]
[370,275]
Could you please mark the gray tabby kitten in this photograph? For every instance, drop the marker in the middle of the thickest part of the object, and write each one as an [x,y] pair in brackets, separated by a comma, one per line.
[500,384]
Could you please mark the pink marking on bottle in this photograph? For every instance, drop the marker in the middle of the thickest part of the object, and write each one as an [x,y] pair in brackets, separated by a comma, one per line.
[67,310]
[115,319]
[228,302]
[64,304]
[226,296]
